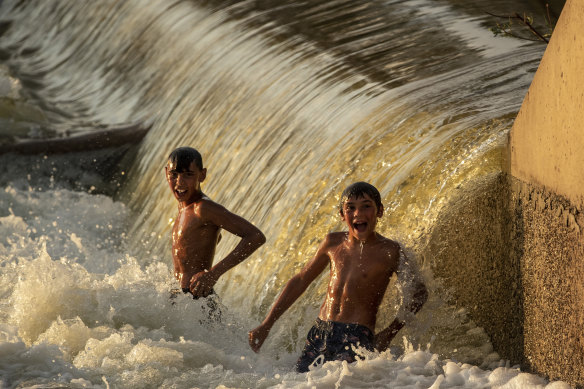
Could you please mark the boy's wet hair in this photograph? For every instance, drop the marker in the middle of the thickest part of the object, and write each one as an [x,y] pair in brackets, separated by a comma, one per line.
[182,158]
[359,189]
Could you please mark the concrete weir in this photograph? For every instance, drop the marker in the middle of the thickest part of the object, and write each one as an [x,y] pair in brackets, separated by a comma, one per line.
[516,239]
[546,161]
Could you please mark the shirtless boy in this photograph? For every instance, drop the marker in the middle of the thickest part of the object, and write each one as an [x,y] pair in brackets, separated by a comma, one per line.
[196,230]
[361,263]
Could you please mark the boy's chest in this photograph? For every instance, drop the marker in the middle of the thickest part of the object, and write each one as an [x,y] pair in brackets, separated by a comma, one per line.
[189,226]
[350,266]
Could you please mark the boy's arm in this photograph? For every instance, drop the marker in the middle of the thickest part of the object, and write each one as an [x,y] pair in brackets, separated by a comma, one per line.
[252,238]
[384,338]
[408,275]
[293,289]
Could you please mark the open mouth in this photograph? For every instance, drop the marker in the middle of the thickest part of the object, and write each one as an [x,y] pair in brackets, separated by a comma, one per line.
[360,226]
[180,192]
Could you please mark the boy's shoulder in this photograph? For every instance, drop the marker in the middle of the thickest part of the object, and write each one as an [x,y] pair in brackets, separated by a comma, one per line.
[388,242]
[203,207]
[390,246]
[335,238]
[211,212]
[206,204]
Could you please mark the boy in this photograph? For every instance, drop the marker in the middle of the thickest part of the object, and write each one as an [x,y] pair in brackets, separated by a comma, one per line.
[361,264]
[196,230]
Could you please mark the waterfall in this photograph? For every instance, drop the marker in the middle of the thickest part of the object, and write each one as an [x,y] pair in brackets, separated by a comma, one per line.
[288,103]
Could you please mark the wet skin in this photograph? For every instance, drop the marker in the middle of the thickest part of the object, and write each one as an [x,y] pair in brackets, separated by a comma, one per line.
[196,232]
[361,263]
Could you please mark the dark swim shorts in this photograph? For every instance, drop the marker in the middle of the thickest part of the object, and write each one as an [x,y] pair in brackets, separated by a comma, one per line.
[333,341]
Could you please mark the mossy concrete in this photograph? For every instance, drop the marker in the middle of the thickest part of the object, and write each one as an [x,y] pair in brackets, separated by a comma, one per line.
[510,247]
[552,275]
[512,254]
[471,253]
[546,163]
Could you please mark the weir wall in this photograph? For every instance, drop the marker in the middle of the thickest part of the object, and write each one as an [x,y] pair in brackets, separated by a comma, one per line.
[546,156]
[516,239]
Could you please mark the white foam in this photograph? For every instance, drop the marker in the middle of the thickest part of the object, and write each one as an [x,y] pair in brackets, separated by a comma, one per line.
[81,311]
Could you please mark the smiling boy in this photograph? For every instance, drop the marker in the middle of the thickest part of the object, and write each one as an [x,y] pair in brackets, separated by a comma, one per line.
[361,263]
[196,230]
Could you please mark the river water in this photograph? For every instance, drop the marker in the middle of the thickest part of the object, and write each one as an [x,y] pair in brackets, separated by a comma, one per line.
[288,102]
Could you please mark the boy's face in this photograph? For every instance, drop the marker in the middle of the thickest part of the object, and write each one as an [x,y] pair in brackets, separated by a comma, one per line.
[185,184]
[360,214]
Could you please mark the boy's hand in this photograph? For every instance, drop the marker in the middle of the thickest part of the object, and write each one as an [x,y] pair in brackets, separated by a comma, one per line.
[257,337]
[202,284]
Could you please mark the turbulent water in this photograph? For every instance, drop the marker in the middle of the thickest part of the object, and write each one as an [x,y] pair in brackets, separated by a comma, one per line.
[288,102]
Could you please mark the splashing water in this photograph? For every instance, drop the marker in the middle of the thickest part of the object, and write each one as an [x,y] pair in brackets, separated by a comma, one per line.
[285,119]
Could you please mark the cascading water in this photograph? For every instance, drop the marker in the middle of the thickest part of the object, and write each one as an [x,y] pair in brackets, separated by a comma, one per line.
[288,103]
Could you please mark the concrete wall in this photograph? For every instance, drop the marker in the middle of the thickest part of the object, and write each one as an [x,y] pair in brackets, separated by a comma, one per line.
[551,252]
[512,253]
[546,153]
[510,247]
[474,250]
[547,139]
